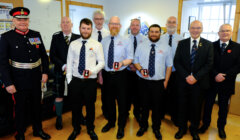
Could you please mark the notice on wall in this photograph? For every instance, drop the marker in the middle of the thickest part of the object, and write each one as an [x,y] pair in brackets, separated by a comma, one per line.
[5,18]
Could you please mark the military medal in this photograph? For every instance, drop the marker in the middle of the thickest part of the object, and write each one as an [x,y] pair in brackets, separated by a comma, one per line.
[145,72]
[86,73]
[116,65]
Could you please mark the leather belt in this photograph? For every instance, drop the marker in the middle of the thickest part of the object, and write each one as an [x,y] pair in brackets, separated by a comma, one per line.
[25,65]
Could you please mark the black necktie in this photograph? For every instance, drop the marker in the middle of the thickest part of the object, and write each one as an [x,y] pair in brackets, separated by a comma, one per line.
[135,43]
[99,36]
[193,52]
[223,48]
[111,53]
[151,64]
[81,66]
[66,38]
[170,41]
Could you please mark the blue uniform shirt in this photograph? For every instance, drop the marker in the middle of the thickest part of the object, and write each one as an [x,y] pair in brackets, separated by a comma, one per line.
[175,39]
[163,58]
[123,49]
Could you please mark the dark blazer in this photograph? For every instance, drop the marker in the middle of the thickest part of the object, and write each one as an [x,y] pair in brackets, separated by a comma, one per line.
[228,63]
[202,65]
[19,47]
[59,50]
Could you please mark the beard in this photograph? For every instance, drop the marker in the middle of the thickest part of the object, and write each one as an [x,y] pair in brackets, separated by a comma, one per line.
[154,39]
[86,36]
[114,31]
[171,29]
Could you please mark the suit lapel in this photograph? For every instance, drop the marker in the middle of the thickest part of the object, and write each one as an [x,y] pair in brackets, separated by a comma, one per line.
[188,49]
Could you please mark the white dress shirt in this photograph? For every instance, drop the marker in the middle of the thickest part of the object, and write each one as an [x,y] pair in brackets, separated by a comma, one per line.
[191,43]
[104,33]
[93,54]
[175,39]
[69,38]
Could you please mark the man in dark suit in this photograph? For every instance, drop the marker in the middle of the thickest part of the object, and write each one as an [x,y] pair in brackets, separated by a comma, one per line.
[193,61]
[23,68]
[58,55]
[226,66]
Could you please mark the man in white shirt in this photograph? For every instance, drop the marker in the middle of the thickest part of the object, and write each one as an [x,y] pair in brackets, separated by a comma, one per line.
[98,34]
[172,39]
[82,69]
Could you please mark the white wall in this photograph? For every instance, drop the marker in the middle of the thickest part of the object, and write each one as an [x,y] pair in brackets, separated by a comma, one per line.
[150,11]
[45,18]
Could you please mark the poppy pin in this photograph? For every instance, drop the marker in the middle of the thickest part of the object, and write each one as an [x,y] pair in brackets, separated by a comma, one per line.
[37,46]
[229,51]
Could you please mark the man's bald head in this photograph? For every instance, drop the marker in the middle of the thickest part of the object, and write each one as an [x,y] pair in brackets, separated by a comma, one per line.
[171,25]
[66,25]
[114,25]
[196,29]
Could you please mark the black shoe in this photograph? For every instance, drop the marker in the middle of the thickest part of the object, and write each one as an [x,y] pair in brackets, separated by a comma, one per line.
[41,134]
[83,121]
[157,134]
[74,134]
[59,123]
[92,135]
[20,137]
[180,133]
[107,127]
[222,133]
[120,133]
[195,136]
[202,129]
[141,131]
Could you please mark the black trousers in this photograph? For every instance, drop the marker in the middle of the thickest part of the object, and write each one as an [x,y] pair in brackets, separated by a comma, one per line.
[151,92]
[189,97]
[115,88]
[133,96]
[223,98]
[28,102]
[83,90]
[170,100]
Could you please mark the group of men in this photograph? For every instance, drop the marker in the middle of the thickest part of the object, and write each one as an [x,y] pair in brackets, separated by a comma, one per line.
[165,74]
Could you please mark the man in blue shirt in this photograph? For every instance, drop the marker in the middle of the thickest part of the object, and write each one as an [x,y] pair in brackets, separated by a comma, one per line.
[132,83]
[154,62]
[172,39]
[118,54]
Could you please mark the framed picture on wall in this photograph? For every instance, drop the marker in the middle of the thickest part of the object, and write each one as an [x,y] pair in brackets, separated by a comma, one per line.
[190,20]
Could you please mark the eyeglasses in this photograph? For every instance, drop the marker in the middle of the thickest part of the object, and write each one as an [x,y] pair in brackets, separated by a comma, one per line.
[115,24]
[169,22]
[98,18]
[196,28]
[225,31]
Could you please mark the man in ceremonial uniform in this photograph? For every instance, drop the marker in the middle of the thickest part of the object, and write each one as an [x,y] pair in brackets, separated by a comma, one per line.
[172,39]
[226,66]
[82,69]
[132,83]
[153,61]
[24,66]
[58,55]
[118,54]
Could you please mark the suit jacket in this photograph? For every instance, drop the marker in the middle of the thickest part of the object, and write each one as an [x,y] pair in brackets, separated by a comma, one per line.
[228,63]
[202,65]
[59,50]
[22,48]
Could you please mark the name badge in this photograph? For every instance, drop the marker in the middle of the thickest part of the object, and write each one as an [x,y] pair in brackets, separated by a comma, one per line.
[35,41]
